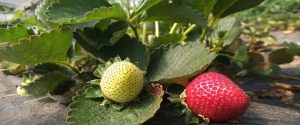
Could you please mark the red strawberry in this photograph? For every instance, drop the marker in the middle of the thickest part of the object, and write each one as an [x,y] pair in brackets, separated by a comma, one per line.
[216,98]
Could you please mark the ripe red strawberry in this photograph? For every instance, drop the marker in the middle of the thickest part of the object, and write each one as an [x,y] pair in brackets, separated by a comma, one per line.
[214,97]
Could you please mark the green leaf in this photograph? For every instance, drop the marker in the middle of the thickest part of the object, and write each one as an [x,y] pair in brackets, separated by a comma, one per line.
[78,11]
[175,63]
[167,39]
[232,28]
[267,69]
[204,6]
[95,82]
[118,106]
[175,90]
[47,47]
[175,12]
[103,24]
[52,67]
[145,5]
[93,39]
[13,34]
[226,7]
[190,118]
[241,58]
[81,26]
[256,58]
[280,56]
[93,92]
[170,110]
[293,48]
[40,11]
[12,68]
[241,5]
[125,4]
[127,47]
[89,111]
[45,84]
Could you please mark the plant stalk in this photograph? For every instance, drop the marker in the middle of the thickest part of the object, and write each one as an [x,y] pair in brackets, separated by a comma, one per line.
[156,28]
[173,29]
[189,29]
[144,33]
[209,26]
[135,31]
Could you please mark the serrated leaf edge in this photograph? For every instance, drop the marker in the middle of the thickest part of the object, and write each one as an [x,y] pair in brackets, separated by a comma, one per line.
[80,93]
[32,37]
[71,20]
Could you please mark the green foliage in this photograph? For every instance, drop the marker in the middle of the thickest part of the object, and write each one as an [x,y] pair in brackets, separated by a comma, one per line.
[266,70]
[45,84]
[176,12]
[241,57]
[45,68]
[145,5]
[93,92]
[13,34]
[89,111]
[167,39]
[94,38]
[279,13]
[175,63]
[40,11]
[48,47]
[190,118]
[232,29]
[203,6]
[226,7]
[293,48]
[64,12]
[280,56]
[127,47]
[105,31]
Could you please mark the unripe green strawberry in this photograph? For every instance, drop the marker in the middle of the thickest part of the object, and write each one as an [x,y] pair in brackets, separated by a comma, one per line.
[26,82]
[122,82]
[21,91]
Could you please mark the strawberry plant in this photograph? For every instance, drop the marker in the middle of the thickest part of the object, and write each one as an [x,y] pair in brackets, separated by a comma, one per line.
[114,57]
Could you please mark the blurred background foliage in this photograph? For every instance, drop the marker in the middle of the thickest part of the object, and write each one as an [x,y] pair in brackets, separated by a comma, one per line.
[273,15]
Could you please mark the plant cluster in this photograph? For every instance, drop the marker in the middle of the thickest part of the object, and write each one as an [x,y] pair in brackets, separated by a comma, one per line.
[282,14]
[117,58]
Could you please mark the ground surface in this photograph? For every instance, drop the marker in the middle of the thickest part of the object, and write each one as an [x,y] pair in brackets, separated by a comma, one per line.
[18,4]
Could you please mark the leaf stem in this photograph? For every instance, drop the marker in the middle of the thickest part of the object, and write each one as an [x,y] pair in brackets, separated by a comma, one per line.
[225,55]
[156,28]
[174,27]
[69,66]
[133,18]
[205,31]
[189,29]
[135,31]
[144,33]
[203,34]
